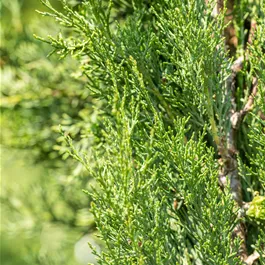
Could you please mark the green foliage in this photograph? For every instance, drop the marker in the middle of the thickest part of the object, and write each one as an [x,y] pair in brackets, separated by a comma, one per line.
[166,61]
[152,123]
[140,224]
[257,208]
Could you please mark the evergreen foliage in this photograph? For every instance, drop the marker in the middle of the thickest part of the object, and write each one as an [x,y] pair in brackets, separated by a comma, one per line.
[177,150]
[159,201]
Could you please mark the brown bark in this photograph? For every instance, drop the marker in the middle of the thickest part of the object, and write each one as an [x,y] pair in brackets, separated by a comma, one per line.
[227,147]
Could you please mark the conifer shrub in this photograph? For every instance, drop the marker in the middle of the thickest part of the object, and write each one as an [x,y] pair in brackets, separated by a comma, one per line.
[177,152]
[180,154]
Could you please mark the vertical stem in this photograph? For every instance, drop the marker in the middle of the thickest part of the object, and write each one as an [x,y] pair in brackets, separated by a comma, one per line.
[227,148]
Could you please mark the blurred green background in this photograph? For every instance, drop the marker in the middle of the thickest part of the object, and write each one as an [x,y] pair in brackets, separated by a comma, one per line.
[45,215]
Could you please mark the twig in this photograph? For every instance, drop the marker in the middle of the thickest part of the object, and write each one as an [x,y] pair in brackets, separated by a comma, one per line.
[227,147]
[252,258]
[238,116]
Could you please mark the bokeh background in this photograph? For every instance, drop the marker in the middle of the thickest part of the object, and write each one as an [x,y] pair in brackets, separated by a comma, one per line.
[45,216]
